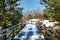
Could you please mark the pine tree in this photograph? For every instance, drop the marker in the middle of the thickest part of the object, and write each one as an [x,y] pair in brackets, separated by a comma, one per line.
[52,9]
[7,10]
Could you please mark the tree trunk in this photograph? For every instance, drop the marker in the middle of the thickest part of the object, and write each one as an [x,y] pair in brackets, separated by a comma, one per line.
[4,19]
[4,24]
[4,15]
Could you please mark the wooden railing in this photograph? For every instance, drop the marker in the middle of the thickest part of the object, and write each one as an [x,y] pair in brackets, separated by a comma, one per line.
[12,31]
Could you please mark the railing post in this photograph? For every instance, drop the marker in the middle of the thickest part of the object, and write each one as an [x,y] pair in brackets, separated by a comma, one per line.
[1,34]
[45,31]
[4,33]
[19,26]
[4,36]
[13,34]
[54,33]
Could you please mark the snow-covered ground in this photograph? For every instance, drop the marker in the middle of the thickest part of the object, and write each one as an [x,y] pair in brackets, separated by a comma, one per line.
[47,23]
[42,22]
[30,32]
[32,21]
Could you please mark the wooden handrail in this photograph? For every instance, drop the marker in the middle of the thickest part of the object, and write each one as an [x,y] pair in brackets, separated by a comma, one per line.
[8,31]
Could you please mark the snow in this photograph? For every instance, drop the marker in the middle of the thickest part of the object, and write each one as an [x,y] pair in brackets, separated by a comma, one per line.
[38,37]
[31,31]
[32,21]
[47,23]
[28,32]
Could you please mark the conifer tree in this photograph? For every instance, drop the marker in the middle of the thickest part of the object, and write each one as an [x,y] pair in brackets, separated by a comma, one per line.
[52,9]
[8,10]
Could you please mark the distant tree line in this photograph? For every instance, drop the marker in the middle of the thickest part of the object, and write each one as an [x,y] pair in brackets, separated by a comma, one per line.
[34,15]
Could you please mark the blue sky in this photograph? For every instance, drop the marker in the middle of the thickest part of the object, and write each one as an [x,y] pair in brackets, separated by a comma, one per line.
[30,5]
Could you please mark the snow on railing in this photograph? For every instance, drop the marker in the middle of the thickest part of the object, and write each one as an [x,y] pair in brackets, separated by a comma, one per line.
[8,31]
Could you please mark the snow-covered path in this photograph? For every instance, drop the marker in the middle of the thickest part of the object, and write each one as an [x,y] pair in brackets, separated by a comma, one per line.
[30,32]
